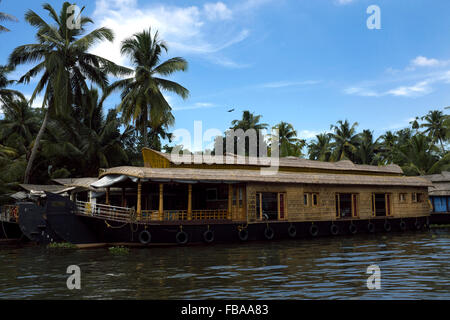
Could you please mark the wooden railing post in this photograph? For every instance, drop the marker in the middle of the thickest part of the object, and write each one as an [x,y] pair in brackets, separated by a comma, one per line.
[107,195]
[161,202]
[189,210]
[230,195]
[139,194]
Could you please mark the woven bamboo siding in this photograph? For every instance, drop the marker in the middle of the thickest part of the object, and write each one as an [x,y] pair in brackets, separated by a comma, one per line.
[156,159]
[326,210]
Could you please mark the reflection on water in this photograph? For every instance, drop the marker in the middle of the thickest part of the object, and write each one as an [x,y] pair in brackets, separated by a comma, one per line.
[413,266]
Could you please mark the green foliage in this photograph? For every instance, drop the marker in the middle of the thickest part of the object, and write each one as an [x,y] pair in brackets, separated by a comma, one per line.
[6,17]
[61,245]
[64,63]
[119,250]
[416,152]
[143,102]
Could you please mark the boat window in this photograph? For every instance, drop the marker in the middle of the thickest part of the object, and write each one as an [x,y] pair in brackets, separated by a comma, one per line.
[282,205]
[381,204]
[402,197]
[420,197]
[414,197]
[240,197]
[306,199]
[344,205]
[310,199]
[315,199]
[269,203]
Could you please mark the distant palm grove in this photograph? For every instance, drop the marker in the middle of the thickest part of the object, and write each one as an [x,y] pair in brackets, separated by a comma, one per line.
[74,135]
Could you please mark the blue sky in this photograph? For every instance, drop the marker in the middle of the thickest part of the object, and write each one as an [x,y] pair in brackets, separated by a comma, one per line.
[309,63]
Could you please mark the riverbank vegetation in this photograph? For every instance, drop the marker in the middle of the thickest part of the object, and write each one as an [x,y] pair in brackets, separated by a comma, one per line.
[61,245]
[119,250]
[74,133]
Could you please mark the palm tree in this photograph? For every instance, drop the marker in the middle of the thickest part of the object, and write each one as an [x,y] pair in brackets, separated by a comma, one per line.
[100,137]
[387,144]
[249,121]
[288,143]
[142,99]
[7,94]
[65,65]
[158,131]
[436,127]
[419,155]
[19,125]
[6,17]
[345,140]
[367,149]
[320,149]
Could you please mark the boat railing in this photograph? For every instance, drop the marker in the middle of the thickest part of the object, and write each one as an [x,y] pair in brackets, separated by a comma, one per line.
[183,215]
[129,214]
[9,213]
[104,211]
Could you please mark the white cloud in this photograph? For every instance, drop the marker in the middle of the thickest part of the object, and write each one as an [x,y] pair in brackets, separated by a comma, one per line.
[307,134]
[421,61]
[198,105]
[251,4]
[343,2]
[417,82]
[283,84]
[186,29]
[217,11]
[361,91]
[419,89]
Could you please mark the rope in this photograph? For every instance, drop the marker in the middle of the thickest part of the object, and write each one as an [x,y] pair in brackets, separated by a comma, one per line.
[115,227]
[240,228]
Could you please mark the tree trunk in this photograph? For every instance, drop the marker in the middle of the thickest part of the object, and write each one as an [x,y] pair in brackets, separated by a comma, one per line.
[144,136]
[35,148]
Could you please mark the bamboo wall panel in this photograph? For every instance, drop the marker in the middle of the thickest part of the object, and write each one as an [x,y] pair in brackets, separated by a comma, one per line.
[326,210]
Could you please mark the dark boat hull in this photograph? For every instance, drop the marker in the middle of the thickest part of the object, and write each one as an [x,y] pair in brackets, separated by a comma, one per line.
[58,221]
[107,231]
[33,224]
[440,218]
[10,231]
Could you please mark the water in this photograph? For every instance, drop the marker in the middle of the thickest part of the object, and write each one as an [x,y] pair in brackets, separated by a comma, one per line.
[413,266]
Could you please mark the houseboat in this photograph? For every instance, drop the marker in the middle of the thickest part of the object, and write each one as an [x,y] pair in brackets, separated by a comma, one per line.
[439,194]
[30,197]
[9,230]
[165,202]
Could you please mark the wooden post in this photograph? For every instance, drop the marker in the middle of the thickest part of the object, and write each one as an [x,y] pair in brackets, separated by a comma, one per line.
[123,197]
[161,201]
[107,196]
[139,194]
[189,210]
[230,197]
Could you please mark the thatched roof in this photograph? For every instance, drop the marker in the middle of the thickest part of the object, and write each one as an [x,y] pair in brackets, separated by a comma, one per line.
[76,182]
[223,176]
[293,162]
[45,188]
[441,184]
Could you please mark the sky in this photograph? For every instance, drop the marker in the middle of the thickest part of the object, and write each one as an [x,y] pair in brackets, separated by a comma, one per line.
[309,63]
